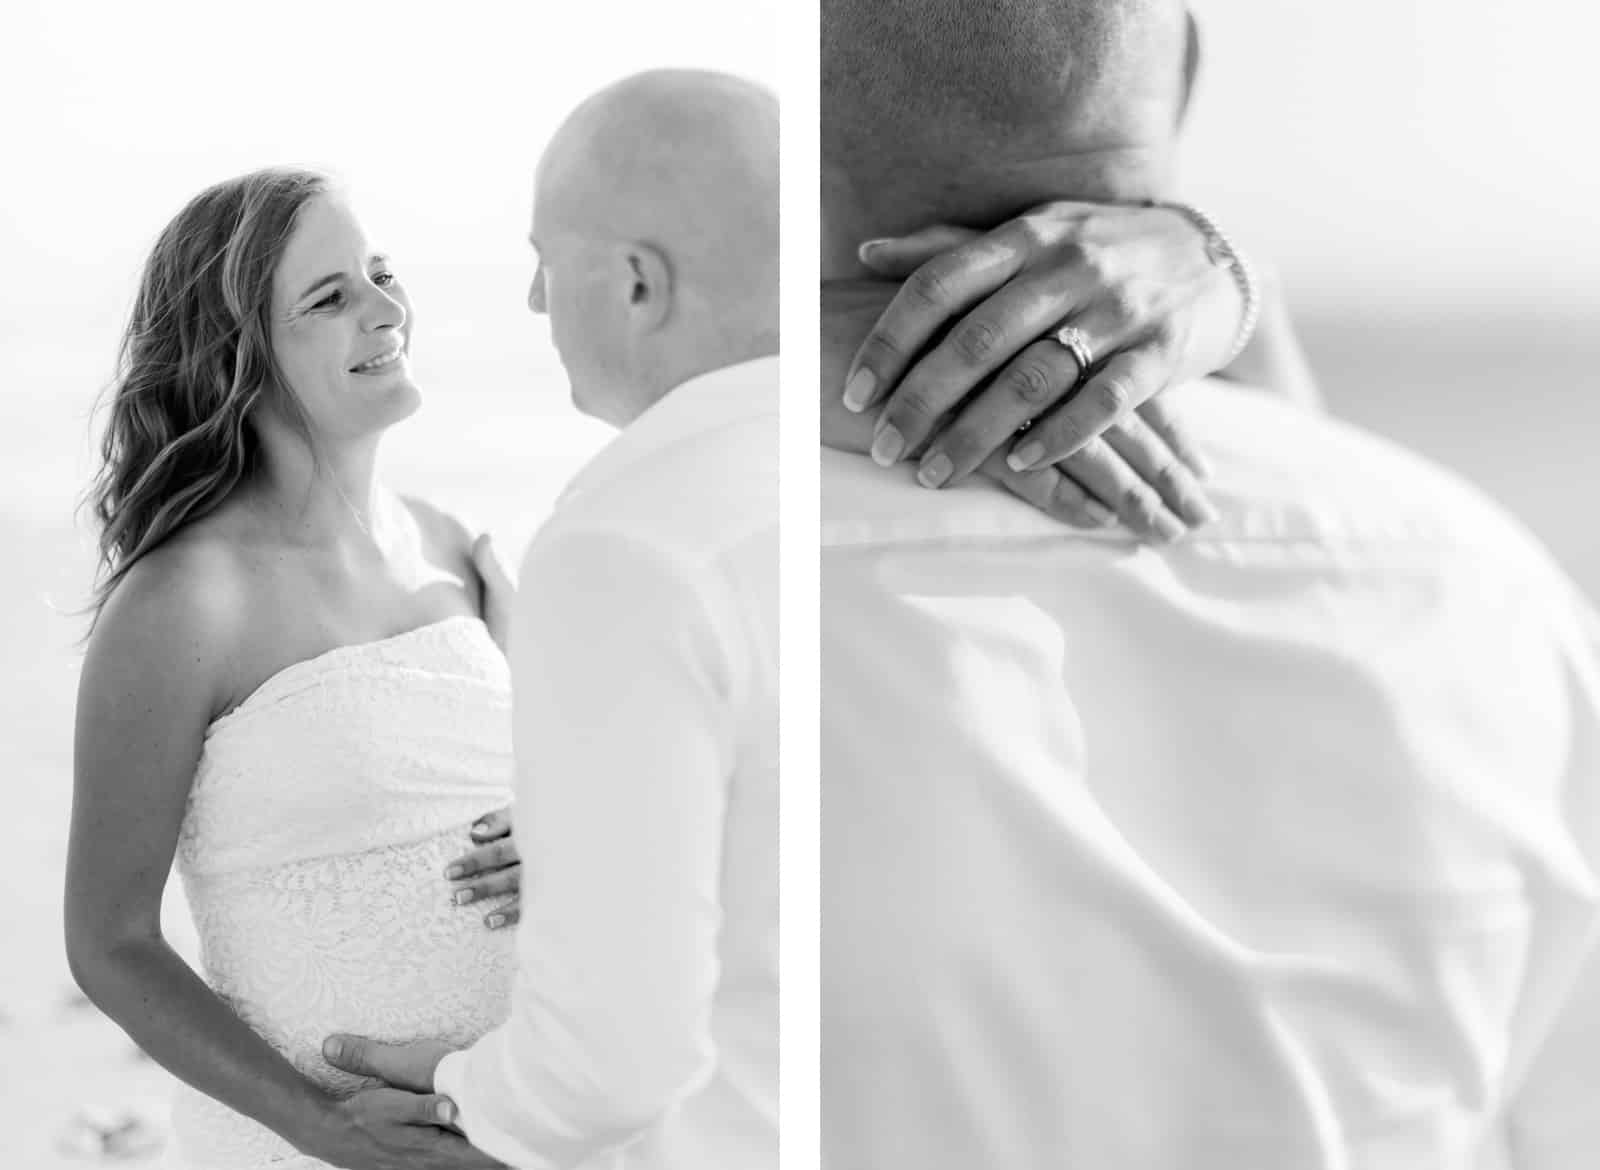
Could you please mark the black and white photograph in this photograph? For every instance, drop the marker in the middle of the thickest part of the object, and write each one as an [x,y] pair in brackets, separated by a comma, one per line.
[1210,674]
[391,457]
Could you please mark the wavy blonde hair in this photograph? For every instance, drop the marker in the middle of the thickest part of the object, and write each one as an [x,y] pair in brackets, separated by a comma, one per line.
[195,360]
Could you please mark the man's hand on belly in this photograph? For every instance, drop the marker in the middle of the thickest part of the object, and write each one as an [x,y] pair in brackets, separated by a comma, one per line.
[391,1129]
[405,1066]
[493,868]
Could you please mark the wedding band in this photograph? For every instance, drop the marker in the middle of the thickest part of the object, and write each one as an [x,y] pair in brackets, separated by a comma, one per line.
[1078,345]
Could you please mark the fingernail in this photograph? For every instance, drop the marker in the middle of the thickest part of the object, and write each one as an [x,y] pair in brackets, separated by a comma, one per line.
[935,470]
[496,921]
[481,827]
[888,447]
[462,897]
[1025,456]
[446,1112]
[455,871]
[870,246]
[331,1049]
[858,390]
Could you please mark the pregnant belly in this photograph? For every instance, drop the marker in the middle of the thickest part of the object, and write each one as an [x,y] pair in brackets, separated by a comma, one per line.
[366,943]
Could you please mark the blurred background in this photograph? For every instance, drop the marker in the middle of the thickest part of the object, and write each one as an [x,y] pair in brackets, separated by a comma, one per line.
[1414,168]
[116,116]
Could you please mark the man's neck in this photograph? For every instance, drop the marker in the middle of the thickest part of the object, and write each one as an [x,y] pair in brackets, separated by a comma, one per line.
[855,209]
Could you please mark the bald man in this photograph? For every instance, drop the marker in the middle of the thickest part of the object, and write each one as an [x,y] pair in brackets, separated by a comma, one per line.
[643,1030]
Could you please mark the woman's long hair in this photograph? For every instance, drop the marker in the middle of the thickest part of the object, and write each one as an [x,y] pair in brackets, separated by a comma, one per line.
[195,360]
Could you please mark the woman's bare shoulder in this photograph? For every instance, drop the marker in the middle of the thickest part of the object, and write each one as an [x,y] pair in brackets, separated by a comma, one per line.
[182,606]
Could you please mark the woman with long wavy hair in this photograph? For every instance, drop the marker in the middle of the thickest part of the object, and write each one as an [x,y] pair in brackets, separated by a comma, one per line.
[289,688]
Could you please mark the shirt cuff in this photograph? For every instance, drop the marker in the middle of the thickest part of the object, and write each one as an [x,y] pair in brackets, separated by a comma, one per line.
[452,1077]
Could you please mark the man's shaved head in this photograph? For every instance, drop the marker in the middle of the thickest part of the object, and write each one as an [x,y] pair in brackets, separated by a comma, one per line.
[682,167]
[684,159]
[964,101]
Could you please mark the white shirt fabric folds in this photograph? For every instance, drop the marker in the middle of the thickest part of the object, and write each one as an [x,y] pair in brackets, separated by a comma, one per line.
[643,1029]
[1273,850]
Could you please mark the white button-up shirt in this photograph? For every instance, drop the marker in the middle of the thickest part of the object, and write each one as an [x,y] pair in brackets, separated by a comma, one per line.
[643,1030]
[1273,850]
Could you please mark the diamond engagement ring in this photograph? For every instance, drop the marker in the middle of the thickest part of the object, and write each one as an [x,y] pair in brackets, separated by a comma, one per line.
[1078,345]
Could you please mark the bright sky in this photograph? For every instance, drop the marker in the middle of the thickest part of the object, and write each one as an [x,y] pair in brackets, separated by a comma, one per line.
[1397,153]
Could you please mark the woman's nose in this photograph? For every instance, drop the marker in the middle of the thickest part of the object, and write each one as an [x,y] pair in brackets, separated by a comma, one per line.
[385,309]
[536,293]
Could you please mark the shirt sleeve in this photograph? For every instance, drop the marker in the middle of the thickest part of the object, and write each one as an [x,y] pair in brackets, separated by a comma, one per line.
[624,696]
[1554,1124]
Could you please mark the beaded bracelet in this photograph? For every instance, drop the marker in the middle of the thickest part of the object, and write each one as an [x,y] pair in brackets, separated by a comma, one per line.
[1220,251]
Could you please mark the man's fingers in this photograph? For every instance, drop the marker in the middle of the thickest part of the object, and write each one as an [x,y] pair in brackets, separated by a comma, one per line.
[1037,378]
[898,257]
[353,1054]
[433,1109]
[508,915]
[485,858]
[492,826]
[490,885]
[934,295]
[404,1066]
[1154,462]
[1106,475]
[1053,493]
[1164,420]
[1123,382]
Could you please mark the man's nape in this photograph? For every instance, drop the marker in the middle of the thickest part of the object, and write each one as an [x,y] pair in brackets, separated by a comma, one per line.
[943,111]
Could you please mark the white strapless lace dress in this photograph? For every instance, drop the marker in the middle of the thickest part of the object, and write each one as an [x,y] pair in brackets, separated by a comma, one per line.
[322,815]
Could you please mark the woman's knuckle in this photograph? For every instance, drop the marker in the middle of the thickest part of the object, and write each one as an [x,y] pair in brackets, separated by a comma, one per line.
[1120,304]
[929,286]
[1065,431]
[1030,382]
[976,341]
[1112,396]
[914,405]
[882,346]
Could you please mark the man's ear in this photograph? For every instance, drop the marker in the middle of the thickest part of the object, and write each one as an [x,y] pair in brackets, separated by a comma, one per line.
[649,285]
[1191,62]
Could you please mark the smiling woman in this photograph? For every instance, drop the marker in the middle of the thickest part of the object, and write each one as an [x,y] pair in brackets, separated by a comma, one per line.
[289,690]
[196,357]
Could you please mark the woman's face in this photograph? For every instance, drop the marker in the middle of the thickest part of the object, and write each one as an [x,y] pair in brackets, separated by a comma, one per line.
[341,325]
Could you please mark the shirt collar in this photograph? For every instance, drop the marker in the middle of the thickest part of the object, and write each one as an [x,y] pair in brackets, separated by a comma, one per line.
[705,403]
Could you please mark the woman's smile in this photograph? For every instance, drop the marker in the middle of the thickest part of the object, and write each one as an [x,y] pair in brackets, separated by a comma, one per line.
[383,363]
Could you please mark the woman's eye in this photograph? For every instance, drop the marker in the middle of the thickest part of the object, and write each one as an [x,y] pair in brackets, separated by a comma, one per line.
[383,279]
[332,298]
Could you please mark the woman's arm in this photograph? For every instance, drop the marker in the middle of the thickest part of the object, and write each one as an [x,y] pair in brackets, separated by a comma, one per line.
[1274,360]
[155,673]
